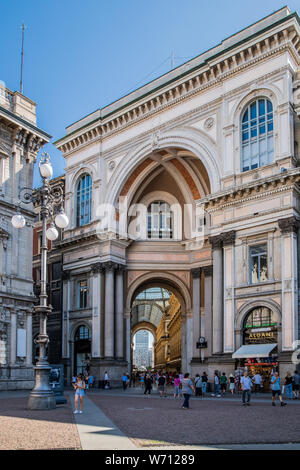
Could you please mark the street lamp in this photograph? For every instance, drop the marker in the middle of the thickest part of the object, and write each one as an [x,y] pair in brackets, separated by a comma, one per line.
[50,199]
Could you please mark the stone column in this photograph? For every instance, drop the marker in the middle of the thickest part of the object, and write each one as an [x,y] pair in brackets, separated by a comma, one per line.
[289,228]
[96,309]
[189,340]
[128,339]
[183,346]
[120,312]
[229,284]
[196,273]
[29,339]
[207,327]
[217,321]
[109,326]
[13,337]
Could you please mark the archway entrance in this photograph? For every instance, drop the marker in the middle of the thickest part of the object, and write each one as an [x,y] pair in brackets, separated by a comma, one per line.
[157,310]
[82,350]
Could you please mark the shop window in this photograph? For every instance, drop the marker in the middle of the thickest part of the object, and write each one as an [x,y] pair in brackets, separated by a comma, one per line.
[160,220]
[258,264]
[82,294]
[257,135]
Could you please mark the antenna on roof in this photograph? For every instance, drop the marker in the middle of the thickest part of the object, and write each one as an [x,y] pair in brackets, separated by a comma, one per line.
[172,60]
[22,54]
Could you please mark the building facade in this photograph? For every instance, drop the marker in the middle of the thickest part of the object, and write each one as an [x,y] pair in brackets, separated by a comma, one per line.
[20,140]
[204,163]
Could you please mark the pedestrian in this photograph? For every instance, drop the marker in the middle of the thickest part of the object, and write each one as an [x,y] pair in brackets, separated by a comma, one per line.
[246,384]
[276,390]
[223,383]
[216,385]
[142,379]
[124,381]
[161,385]
[79,387]
[231,384]
[296,382]
[187,390]
[148,385]
[177,384]
[106,380]
[198,385]
[204,382]
[257,382]
[91,381]
[288,384]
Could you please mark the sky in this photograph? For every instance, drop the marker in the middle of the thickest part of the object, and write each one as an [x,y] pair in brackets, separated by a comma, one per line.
[80,55]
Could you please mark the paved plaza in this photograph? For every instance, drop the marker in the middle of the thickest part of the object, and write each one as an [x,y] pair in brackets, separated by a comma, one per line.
[117,420]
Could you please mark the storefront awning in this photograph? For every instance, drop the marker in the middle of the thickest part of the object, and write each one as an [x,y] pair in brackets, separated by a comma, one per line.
[254,350]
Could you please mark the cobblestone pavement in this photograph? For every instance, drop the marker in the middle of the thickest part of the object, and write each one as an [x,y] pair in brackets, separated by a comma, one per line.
[161,421]
[28,429]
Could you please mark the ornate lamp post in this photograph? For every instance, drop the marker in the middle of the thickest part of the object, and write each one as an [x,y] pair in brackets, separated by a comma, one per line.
[51,203]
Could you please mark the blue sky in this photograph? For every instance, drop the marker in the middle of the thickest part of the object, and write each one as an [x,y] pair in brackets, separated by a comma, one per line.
[83,54]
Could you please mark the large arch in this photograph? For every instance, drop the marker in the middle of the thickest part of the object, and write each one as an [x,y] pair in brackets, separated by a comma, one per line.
[143,326]
[162,279]
[186,138]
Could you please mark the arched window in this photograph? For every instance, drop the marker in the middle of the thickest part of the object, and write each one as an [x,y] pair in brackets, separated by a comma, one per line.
[160,220]
[83,200]
[82,333]
[259,317]
[257,135]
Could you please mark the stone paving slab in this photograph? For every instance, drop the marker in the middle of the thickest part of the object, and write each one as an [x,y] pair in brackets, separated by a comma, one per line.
[208,422]
[98,432]
[36,429]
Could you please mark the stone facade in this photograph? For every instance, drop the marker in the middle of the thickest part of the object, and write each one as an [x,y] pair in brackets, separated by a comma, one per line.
[20,141]
[182,139]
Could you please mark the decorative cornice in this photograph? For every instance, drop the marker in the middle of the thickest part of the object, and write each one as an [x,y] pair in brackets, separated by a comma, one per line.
[253,190]
[289,224]
[208,75]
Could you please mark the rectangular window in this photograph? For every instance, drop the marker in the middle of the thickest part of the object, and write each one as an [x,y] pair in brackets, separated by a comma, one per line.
[258,264]
[82,294]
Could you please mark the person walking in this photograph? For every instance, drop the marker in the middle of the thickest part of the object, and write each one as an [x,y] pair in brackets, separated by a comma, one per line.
[79,387]
[276,390]
[161,385]
[204,383]
[216,385]
[223,383]
[124,381]
[231,384]
[246,384]
[198,385]
[148,385]
[288,384]
[106,380]
[296,382]
[187,390]
[257,382]
[176,386]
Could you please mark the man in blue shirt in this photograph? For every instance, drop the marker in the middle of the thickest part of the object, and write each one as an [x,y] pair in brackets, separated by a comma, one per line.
[246,384]
[275,386]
